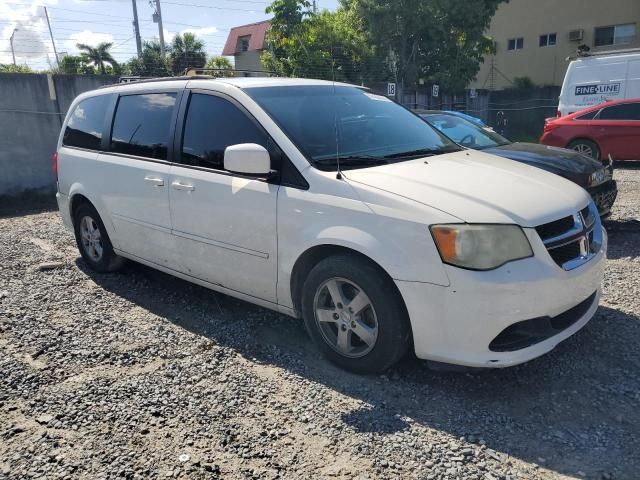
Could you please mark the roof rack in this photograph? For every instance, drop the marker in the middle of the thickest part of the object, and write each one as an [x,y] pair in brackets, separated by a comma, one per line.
[603,53]
[211,72]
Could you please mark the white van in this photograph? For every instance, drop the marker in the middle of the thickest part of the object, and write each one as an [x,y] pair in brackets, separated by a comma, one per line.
[326,202]
[597,78]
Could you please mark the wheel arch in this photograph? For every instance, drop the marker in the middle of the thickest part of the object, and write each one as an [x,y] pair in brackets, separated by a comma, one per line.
[584,137]
[313,255]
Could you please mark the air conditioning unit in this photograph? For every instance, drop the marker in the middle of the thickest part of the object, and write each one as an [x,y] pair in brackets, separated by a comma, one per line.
[576,35]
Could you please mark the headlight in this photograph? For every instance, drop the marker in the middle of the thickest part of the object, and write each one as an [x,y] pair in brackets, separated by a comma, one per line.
[480,247]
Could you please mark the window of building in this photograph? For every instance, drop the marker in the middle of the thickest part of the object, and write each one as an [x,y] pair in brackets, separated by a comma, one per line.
[615,35]
[243,44]
[213,124]
[515,43]
[84,128]
[625,111]
[548,39]
[142,123]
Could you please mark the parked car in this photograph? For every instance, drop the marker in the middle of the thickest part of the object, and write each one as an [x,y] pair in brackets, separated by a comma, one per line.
[323,201]
[598,77]
[585,171]
[609,131]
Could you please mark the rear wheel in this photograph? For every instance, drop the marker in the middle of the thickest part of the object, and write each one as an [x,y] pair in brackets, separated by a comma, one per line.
[354,314]
[585,147]
[93,240]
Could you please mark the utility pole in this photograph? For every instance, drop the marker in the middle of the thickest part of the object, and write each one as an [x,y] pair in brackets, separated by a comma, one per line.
[157,18]
[136,27]
[46,14]
[13,54]
[315,7]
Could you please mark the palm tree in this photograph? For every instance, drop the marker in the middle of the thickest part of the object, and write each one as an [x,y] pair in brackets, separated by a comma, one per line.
[221,65]
[186,51]
[98,55]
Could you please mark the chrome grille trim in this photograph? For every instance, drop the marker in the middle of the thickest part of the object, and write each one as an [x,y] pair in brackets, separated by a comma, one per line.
[586,234]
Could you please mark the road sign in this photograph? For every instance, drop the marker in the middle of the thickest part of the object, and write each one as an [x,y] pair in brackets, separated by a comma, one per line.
[435,90]
[391,89]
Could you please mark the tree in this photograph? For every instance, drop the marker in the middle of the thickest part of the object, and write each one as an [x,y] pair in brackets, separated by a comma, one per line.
[329,45]
[73,64]
[186,51]
[98,56]
[10,68]
[150,63]
[222,66]
[434,40]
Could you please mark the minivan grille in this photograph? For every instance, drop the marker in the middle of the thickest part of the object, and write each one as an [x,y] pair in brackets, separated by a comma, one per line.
[574,240]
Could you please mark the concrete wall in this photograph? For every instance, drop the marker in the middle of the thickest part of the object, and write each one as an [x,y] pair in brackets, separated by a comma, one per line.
[529,19]
[30,120]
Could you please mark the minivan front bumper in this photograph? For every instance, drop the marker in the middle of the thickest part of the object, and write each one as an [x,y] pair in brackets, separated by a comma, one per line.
[457,324]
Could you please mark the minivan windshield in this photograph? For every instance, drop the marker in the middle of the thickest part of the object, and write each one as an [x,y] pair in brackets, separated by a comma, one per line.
[332,124]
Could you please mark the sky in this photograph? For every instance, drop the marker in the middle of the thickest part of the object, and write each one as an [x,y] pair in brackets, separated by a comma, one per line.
[95,21]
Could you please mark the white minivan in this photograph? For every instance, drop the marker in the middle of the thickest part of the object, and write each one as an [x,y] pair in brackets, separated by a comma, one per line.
[597,78]
[324,201]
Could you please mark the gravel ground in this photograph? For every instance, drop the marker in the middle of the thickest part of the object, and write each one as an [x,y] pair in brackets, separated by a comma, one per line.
[141,375]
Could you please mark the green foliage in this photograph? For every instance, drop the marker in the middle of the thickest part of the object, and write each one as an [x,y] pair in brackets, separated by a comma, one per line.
[222,64]
[523,83]
[74,64]
[329,45]
[434,40]
[150,63]
[186,51]
[99,56]
[10,68]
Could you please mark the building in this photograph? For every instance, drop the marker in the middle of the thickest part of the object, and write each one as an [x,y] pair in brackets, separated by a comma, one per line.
[246,43]
[534,38]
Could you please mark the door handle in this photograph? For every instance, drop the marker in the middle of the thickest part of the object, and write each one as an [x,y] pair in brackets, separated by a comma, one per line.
[183,186]
[157,181]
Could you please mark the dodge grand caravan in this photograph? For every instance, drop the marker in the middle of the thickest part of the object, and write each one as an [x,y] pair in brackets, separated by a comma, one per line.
[327,202]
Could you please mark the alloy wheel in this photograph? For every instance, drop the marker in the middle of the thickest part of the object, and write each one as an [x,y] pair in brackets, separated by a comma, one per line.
[346,317]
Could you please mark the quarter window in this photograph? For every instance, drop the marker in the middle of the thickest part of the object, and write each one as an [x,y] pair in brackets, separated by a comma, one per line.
[626,111]
[212,124]
[142,124]
[84,128]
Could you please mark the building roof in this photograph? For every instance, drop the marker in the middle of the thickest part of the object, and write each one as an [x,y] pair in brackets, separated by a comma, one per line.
[256,33]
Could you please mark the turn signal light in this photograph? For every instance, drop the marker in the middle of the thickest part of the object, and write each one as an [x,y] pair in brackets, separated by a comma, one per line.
[55,164]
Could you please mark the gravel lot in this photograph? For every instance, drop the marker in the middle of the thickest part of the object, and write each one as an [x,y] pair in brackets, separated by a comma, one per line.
[141,375]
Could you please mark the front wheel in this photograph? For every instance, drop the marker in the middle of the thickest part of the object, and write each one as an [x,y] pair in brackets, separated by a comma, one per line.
[354,314]
[585,147]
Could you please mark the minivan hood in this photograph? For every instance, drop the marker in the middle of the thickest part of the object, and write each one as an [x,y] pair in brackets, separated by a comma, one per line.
[478,188]
[558,160]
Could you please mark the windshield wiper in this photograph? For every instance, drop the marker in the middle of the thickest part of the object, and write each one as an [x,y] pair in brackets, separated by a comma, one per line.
[351,161]
[423,152]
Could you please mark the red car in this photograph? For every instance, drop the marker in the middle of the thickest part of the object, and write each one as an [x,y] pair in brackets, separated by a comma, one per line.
[609,130]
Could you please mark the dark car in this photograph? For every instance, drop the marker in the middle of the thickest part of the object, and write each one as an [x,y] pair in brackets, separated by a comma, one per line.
[590,174]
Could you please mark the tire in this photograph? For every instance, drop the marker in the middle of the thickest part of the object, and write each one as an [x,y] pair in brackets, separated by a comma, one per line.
[365,340]
[586,147]
[94,245]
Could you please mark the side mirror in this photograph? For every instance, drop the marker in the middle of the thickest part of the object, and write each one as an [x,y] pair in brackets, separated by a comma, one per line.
[247,159]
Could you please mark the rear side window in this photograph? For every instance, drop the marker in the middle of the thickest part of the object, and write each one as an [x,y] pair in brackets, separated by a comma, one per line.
[84,128]
[627,111]
[588,116]
[213,124]
[142,124]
